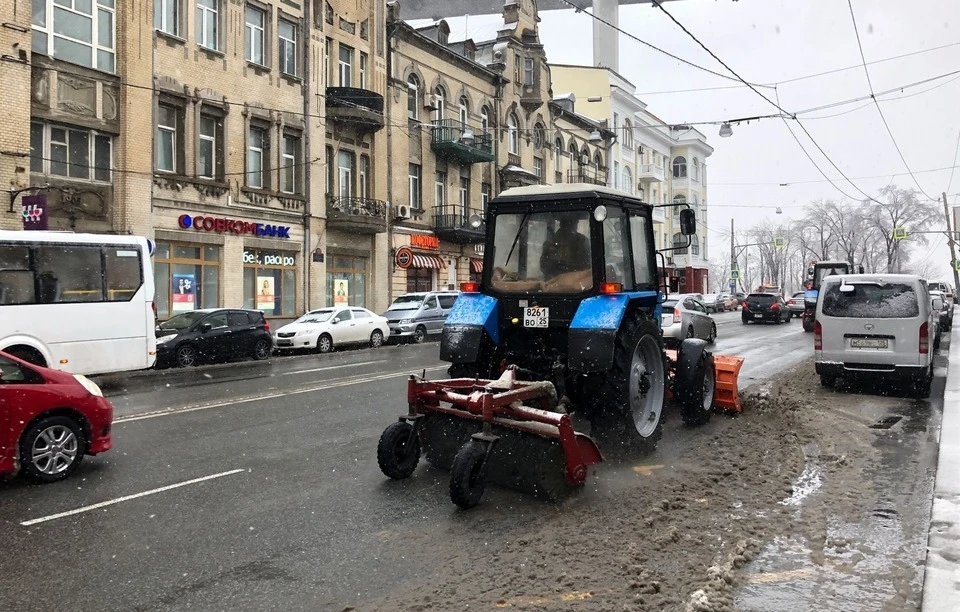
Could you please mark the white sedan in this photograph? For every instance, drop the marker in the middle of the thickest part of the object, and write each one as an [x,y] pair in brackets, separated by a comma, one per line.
[327,328]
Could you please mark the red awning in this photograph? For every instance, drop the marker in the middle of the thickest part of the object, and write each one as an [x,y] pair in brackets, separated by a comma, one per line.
[428,261]
[476,265]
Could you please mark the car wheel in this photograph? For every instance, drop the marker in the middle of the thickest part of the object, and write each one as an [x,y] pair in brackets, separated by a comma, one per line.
[420,334]
[186,356]
[52,449]
[713,333]
[261,350]
[376,339]
[324,343]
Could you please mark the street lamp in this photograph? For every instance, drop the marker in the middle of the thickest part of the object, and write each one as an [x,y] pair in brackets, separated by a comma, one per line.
[726,131]
[467,137]
[595,137]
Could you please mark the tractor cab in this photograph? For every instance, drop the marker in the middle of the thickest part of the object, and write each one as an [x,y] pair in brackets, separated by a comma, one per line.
[818,271]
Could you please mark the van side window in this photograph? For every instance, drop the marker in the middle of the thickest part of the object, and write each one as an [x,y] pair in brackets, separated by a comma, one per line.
[431,303]
[446,301]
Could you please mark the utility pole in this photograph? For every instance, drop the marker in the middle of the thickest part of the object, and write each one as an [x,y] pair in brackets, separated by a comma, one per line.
[733,260]
[952,243]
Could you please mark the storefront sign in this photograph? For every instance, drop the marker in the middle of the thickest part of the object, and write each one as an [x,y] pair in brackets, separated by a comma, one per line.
[35,215]
[404,258]
[341,292]
[266,258]
[478,249]
[184,292]
[221,225]
[424,241]
[265,294]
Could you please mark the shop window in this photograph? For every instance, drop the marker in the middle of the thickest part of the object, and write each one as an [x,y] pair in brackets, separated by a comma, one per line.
[187,277]
[270,282]
[419,279]
[349,276]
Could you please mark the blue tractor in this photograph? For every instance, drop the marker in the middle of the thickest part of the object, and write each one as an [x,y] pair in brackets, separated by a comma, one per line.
[817,271]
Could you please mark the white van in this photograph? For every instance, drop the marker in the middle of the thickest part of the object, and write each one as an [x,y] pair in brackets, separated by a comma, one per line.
[413,316]
[879,325]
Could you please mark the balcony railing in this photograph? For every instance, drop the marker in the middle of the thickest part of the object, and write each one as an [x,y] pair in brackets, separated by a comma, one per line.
[593,176]
[650,173]
[448,141]
[454,226]
[361,107]
[362,215]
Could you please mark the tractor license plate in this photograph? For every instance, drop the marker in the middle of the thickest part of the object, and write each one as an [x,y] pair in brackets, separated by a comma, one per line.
[758,316]
[875,343]
[536,317]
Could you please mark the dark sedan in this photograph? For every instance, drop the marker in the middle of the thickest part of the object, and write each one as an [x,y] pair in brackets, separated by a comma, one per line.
[213,335]
[765,307]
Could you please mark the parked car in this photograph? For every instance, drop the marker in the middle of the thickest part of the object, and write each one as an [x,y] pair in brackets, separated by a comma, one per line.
[876,326]
[795,304]
[50,419]
[764,307]
[213,335]
[414,316]
[946,311]
[729,301]
[945,289]
[684,316]
[327,328]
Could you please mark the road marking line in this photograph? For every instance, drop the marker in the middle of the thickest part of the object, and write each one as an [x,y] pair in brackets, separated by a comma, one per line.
[783,576]
[245,400]
[646,470]
[129,497]
[337,367]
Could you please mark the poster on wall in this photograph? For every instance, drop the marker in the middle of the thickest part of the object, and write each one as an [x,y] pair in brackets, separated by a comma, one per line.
[265,293]
[184,292]
[341,292]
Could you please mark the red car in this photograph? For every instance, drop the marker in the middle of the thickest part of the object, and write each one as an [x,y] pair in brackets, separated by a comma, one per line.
[49,420]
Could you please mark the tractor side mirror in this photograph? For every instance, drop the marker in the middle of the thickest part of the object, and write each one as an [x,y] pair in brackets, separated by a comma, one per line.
[809,271]
[688,222]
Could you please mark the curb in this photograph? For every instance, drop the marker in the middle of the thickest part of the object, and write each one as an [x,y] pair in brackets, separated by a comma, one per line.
[942,571]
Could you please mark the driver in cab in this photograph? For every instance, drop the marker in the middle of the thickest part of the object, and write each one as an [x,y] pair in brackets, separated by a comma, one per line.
[565,260]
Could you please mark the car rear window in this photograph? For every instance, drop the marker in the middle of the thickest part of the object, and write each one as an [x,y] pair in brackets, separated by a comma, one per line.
[872,301]
[763,298]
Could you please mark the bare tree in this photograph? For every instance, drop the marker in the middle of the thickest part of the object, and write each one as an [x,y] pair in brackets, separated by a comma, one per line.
[895,207]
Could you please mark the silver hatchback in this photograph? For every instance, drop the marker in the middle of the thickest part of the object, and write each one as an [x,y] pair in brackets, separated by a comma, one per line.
[685,316]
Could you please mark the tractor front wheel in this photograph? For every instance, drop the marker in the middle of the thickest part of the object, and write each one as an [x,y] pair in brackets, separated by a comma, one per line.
[625,404]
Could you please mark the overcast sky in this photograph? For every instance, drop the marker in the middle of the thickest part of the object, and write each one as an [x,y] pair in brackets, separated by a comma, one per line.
[768,41]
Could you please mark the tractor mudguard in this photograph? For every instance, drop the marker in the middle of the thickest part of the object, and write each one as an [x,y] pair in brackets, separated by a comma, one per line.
[593,331]
[462,335]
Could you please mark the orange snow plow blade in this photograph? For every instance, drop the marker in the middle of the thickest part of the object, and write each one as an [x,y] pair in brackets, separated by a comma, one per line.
[726,394]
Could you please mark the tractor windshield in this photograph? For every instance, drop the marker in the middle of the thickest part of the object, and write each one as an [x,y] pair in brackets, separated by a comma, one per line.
[821,272]
[542,252]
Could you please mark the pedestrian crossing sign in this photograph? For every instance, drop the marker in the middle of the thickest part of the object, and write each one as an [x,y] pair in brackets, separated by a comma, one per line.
[779,243]
[899,233]
[734,274]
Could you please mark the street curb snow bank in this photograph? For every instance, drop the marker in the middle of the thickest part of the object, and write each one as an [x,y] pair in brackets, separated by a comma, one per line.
[941,584]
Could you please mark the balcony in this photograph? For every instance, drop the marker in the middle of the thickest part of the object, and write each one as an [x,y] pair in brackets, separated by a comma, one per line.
[448,142]
[650,173]
[361,109]
[659,215]
[452,225]
[592,176]
[357,215]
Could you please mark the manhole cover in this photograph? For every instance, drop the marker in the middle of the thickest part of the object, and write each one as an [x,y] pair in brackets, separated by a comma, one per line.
[886,422]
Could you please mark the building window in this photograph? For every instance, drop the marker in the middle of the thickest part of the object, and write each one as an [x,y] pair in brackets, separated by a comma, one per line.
[464,196]
[528,72]
[628,135]
[345,165]
[256,31]
[169,122]
[187,277]
[441,189]
[258,143]
[627,180]
[363,70]
[464,108]
[70,152]
[327,65]
[290,164]
[328,182]
[696,169]
[679,167]
[414,180]
[210,149]
[287,52]
[419,279]
[352,271]
[484,120]
[166,16]
[364,177]
[517,68]
[270,282]
[484,198]
[539,135]
[513,134]
[346,66]
[558,155]
[76,31]
[615,179]
[440,99]
[679,242]
[538,169]
[208,24]
[413,97]
[694,245]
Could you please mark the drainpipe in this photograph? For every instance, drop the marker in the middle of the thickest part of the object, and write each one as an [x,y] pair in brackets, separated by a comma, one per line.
[497,107]
[388,118]
[307,158]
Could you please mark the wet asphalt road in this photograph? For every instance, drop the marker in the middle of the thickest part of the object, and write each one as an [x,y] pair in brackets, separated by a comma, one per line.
[293,512]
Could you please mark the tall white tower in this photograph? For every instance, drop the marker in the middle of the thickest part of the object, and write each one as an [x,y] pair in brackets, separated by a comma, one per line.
[606,40]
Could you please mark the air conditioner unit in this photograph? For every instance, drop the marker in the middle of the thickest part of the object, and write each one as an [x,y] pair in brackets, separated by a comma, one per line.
[402,211]
[430,102]
[640,150]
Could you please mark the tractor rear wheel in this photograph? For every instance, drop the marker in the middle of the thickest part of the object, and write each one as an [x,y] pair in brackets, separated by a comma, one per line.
[694,383]
[625,404]
[808,324]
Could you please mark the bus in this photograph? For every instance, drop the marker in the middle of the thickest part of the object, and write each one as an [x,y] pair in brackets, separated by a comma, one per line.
[82,303]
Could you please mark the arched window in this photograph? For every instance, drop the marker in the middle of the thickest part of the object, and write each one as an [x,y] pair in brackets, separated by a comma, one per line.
[679,167]
[696,169]
[539,135]
[558,154]
[694,245]
[627,180]
[413,97]
[484,119]
[694,197]
[679,199]
[513,134]
[679,240]
[628,134]
[598,160]
[441,102]
[464,107]
[585,156]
